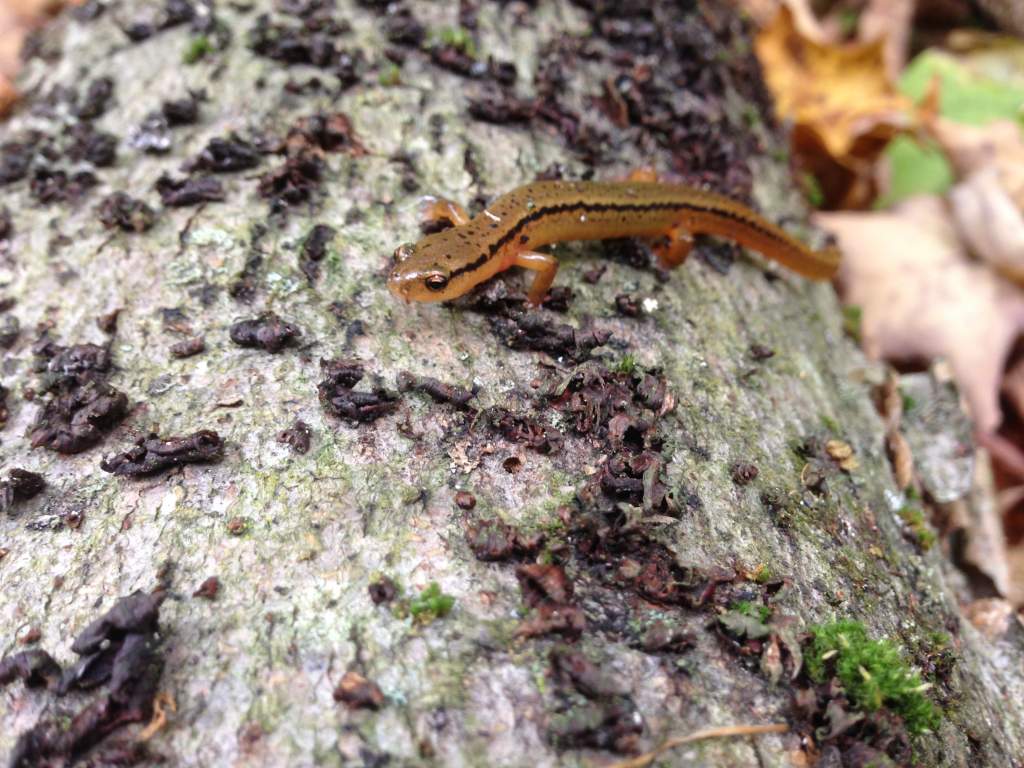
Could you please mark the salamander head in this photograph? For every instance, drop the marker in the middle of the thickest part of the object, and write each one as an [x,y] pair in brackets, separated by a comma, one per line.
[431,270]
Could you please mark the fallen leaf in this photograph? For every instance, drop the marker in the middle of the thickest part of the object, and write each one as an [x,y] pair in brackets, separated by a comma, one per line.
[1008,13]
[901,458]
[992,616]
[988,203]
[889,21]
[990,222]
[977,83]
[973,148]
[1013,386]
[968,93]
[8,95]
[842,454]
[920,297]
[844,107]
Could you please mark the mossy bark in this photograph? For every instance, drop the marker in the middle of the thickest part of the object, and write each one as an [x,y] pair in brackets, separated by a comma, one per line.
[295,540]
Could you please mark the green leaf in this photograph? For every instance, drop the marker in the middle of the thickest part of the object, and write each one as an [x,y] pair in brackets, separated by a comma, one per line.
[967,95]
[914,169]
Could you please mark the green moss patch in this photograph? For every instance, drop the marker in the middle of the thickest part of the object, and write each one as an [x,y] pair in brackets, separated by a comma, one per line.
[872,672]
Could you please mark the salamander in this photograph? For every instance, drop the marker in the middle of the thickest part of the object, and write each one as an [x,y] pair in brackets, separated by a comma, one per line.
[445,265]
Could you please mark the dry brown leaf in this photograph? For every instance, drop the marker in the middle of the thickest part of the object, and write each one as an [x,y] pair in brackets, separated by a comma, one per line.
[990,222]
[891,22]
[17,18]
[988,204]
[1013,387]
[1009,14]
[844,107]
[991,616]
[973,148]
[764,12]
[8,95]
[842,454]
[921,297]
[901,458]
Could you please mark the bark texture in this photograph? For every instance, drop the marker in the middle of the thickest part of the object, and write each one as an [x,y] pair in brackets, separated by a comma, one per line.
[296,540]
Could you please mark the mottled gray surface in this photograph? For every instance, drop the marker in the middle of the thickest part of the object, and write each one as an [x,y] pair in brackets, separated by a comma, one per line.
[253,672]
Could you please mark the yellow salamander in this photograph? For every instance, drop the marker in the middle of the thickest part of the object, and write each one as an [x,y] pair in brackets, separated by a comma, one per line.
[447,264]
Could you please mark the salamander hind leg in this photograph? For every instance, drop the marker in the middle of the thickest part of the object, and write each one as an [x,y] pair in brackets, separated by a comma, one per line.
[646,174]
[545,267]
[439,210]
[673,248]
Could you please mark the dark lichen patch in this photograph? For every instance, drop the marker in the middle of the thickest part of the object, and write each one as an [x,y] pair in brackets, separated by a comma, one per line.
[743,472]
[225,155]
[401,27]
[96,98]
[172,14]
[268,332]
[298,437]
[383,590]
[531,331]
[591,710]
[522,428]
[107,322]
[19,485]
[548,592]
[501,108]
[622,409]
[437,390]
[153,135]
[299,176]
[5,409]
[357,692]
[55,185]
[309,37]
[819,466]
[119,650]
[35,668]
[152,454]
[80,406]
[495,541]
[209,589]
[184,111]
[314,249]
[497,297]
[86,144]
[122,211]
[246,284]
[6,227]
[188,347]
[339,397]
[629,305]
[176,193]
[16,159]
[665,637]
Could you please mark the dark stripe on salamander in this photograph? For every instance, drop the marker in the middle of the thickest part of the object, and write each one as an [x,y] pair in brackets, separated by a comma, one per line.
[604,208]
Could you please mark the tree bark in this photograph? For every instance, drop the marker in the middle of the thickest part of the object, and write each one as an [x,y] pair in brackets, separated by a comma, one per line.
[734,500]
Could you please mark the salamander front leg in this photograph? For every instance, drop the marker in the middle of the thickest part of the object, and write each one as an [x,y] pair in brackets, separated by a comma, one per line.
[674,252]
[544,266]
[439,209]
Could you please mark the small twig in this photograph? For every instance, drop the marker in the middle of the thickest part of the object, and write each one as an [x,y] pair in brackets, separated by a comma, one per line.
[641,761]
[161,704]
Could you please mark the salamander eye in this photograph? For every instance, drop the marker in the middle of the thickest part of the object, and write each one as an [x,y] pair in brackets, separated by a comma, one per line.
[436,281]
